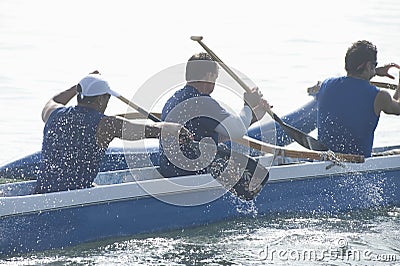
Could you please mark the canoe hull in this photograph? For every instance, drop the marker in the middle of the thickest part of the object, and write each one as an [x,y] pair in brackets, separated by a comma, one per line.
[63,219]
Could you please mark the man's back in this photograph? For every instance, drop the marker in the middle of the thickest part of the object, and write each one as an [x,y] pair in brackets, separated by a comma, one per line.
[200,114]
[346,116]
[70,154]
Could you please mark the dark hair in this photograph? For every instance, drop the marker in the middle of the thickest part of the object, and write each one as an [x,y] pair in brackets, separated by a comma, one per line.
[358,55]
[198,66]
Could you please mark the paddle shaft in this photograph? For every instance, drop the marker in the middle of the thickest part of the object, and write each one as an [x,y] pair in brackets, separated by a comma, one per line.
[225,67]
[299,136]
[384,85]
[139,109]
[135,115]
[313,155]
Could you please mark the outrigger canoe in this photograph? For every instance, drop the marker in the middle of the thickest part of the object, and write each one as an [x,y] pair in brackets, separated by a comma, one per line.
[128,202]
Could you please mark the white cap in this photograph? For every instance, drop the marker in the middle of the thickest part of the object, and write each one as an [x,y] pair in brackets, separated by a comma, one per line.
[94,85]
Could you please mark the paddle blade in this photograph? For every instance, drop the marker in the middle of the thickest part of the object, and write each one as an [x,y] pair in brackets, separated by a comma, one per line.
[300,137]
[252,181]
[239,173]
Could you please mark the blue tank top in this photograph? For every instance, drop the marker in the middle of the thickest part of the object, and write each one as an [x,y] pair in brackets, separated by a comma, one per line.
[346,118]
[200,114]
[70,155]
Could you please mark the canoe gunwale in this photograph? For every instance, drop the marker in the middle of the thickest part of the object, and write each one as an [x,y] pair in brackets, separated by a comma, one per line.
[20,205]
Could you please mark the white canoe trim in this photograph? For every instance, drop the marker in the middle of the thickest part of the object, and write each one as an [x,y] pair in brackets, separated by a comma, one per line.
[150,183]
[108,193]
[284,173]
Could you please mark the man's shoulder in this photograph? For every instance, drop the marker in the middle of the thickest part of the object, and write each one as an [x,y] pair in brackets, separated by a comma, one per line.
[333,80]
[186,92]
[383,97]
[57,110]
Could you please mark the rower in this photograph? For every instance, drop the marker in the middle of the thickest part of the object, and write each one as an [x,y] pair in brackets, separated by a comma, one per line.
[76,138]
[193,107]
[349,107]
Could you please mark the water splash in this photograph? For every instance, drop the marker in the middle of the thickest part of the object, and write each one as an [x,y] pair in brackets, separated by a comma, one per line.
[242,206]
[367,190]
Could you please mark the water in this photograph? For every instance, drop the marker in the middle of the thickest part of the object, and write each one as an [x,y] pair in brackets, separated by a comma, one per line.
[359,238]
[285,46]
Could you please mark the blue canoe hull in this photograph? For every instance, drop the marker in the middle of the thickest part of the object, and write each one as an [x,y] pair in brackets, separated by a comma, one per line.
[70,226]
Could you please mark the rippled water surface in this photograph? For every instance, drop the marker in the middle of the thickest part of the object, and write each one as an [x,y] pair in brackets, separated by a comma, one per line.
[368,237]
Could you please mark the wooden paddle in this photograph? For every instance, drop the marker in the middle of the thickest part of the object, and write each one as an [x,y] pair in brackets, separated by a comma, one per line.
[273,149]
[314,89]
[137,115]
[313,155]
[299,136]
[139,109]
[243,187]
[384,85]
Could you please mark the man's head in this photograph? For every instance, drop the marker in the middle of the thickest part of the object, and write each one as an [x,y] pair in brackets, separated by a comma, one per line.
[201,69]
[94,90]
[360,57]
